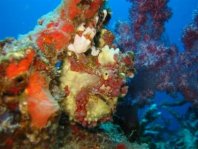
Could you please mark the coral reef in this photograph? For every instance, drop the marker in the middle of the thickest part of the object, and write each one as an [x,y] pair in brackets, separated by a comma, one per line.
[67,64]
[190,36]
[160,67]
[107,136]
[148,18]
[62,82]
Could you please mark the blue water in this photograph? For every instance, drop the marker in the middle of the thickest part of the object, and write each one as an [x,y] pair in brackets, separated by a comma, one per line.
[182,15]
[20,16]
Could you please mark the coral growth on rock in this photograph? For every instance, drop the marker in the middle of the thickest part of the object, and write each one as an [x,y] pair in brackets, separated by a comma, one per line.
[65,78]
[67,64]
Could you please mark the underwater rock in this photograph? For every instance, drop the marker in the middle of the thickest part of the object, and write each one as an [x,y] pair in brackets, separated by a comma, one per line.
[127,118]
[54,69]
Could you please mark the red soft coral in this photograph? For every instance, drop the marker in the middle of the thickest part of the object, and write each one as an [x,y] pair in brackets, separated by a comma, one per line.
[94,7]
[14,69]
[41,105]
[54,39]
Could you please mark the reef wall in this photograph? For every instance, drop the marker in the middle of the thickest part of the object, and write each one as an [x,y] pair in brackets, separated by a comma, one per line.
[67,64]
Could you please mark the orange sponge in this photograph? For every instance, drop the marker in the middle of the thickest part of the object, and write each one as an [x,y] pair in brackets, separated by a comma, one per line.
[41,105]
[16,68]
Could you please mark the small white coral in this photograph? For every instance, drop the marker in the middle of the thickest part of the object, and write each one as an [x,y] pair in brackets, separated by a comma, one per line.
[107,55]
[94,51]
[81,27]
[80,45]
[91,32]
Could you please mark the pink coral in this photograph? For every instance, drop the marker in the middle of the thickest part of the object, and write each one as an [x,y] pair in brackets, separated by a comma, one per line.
[159,67]
[143,12]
